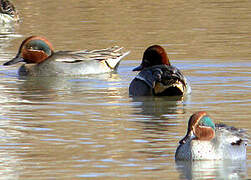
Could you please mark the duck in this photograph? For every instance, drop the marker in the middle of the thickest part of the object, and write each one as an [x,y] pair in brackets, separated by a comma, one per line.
[39,59]
[8,13]
[157,77]
[205,140]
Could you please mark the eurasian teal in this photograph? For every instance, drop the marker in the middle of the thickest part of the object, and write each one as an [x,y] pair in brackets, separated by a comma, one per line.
[40,59]
[206,141]
[157,76]
[8,13]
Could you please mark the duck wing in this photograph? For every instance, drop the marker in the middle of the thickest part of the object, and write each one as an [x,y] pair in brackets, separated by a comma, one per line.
[163,79]
[111,56]
[232,135]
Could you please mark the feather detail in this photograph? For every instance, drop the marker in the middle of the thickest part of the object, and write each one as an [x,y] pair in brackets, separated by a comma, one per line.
[234,136]
[108,54]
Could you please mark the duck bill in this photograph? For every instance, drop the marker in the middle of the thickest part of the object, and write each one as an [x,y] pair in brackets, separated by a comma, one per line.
[189,136]
[14,61]
[139,68]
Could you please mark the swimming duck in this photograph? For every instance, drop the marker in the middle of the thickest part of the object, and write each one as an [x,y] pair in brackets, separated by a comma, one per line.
[206,141]
[157,76]
[8,13]
[41,60]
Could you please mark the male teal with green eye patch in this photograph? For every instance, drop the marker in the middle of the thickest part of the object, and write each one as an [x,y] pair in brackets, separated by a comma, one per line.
[40,59]
[206,141]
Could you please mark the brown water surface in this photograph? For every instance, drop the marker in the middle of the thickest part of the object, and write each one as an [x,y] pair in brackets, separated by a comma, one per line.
[88,127]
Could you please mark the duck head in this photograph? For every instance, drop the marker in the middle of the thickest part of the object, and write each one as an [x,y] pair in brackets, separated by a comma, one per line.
[34,49]
[153,55]
[200,127]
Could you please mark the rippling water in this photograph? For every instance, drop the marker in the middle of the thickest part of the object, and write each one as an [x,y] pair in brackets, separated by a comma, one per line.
[88,127]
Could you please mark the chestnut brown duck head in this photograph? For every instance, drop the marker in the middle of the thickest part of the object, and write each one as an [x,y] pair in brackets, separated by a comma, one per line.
[157,76]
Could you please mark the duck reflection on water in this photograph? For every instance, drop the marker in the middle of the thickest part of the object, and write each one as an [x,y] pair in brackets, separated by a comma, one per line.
[160,106]
[208,169]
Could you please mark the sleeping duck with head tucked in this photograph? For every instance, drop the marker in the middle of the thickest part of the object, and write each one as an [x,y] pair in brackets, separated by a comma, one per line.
[157,77]
[40,59]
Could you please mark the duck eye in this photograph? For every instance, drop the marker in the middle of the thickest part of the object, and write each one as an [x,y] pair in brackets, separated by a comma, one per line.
[28,47]
[31,47]
[146,62]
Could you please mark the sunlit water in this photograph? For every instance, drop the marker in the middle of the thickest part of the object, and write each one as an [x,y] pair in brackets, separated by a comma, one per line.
[88,127]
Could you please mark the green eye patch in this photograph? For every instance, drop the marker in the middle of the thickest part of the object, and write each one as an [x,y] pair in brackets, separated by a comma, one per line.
[207,121]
